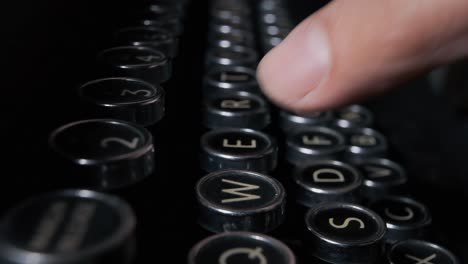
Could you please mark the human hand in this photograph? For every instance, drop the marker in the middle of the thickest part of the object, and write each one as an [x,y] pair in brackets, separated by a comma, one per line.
[351,49]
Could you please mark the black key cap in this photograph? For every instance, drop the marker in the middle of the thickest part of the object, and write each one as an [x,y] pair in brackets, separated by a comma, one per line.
[234,20]
[240,248]
[269,43]
[231,56]
[236,36]
[66,226]
[234,78]
[345,233]
[104,153]
[275,31]
[171,24]
[136,62]
[353,116]
[364,143]
[124,98]
[405,218]
[326,180]
[291,122]
[242,149]
[236,110]
[382,177]
[162,9]
[235,200]
[314,143]
[277,19]
[419,252]
[229,9]
[153,37]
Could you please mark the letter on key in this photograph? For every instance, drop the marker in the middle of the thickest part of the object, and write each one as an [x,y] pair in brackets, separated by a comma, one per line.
[226,144]
[316,140]
[238,192]
[346,223]
[242,104]
[339,176]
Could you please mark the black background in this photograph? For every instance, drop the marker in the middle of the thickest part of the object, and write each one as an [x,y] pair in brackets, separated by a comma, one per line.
[48,49]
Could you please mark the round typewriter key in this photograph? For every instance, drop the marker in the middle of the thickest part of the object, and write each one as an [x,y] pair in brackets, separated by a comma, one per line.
[152,37]
[105,153]
[381,177]
[136,62]
[314,143]
[236,200]
[163,9]
[68,227]
[235,21]
[234,35]
[171,24]
[234,78]
[365,142]
[353,116]
[236,110]
[326,180]
[275,31]
[231,56]
[124,98]
[269,5]
[291,122]
[405,218]
[243,149]
[273,18]
[345,233]
[240,248]
[418,251]
[230,9]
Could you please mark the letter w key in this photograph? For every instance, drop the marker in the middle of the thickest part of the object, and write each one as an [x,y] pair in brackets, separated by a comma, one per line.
[241,196]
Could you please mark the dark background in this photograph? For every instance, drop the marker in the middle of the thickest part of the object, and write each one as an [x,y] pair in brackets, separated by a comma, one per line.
[48,49]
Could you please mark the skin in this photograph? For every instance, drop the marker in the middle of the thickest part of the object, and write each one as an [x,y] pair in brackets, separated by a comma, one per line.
[351,49]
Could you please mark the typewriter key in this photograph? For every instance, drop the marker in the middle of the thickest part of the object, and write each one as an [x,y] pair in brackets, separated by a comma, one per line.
[405,218]
[124,98]
[236,200]
[326,180]
[240,248]
[242,149]
[231,56]
[169,23]
[136,62]
[314,143]
[291,122]
[152,37]
[236,110]
[345,233]
[234,78]
[68,227]
[364,143]
[233,20]
[104,153]
[353,116]
[418,251]
[235,36]
[381,177]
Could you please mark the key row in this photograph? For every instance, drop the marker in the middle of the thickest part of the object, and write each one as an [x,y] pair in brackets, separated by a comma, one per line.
[66,226]
[242,148]
[243,109]
[246,247]
[129,74]
[239,200]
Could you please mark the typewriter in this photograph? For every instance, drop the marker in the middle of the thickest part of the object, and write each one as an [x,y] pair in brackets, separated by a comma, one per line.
[136,131]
